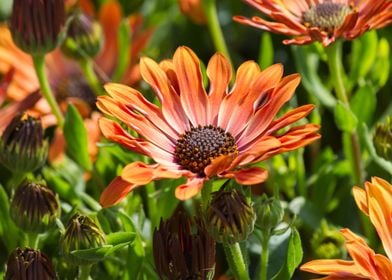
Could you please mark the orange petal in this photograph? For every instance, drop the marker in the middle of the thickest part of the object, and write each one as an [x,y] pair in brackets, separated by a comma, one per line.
[219,165]
[192,94]
[138,173]
[380,210]
[191,188]
[117,190]
[249,176]
[219,74]
[332,267]
[361,199]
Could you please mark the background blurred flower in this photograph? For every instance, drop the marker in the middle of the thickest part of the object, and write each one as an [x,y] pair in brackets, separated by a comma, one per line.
[199,135]
[375,202]
[193,9]
[324,21]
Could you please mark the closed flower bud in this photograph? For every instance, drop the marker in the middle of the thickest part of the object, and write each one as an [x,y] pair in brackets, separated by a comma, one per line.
[269,212]
[327,242]
[34,207]
[84,37]
[183,249]
[383,139]
[29,264]
[36,25]
[22,145]
[230,218]
[81,233]
[194,10]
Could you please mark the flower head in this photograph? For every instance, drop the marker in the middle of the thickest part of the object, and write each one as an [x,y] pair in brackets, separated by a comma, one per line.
[319,20]
[198,135]
[375,202]
[22,145]
[183,249]
[36,24]
[269,212]
[34,207]
[31,264]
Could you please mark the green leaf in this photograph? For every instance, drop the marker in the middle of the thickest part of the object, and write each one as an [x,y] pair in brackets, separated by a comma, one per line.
[135,259]
[363,55]
[381,67]
[345,119]
[76,138]
[363,103]
[307,65]
[99,253]
[293,257]
[120,237]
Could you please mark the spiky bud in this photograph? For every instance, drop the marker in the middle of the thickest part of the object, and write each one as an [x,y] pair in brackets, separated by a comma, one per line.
[81,233]
[229,218]
[34,207]
[183,249]
[269,212]
[327,242]
[29,264]
[84,37]
[22,145]
[36,25]
[383,139]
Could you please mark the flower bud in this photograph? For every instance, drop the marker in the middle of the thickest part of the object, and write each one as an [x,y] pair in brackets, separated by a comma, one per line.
[22,145]
[36,25]
[29,264]
[81,233]
[230,218]
[84,37]
[183,249]
[269,212]
[34,207]
[194,10]
[383,139]
[327,242]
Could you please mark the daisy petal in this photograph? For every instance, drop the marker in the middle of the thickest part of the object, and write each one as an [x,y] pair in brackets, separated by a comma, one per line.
[248,176]
[191,188]
[361,199]
[334,267]
[117,190]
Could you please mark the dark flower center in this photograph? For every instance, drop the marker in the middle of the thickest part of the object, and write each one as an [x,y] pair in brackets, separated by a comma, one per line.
[326,16]
[199,146]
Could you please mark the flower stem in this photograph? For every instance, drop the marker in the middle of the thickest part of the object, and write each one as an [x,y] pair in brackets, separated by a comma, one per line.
[92,79]
[214,27]
[334,53]
[84,272]
[236,261]
[264,255]
[39,65]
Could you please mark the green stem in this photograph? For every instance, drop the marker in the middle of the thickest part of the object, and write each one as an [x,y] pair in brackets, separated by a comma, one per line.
[124,42]
[334,53]
[214,27]
[236,261]
[39,65]
[264,255]
[92,79]
[84,272]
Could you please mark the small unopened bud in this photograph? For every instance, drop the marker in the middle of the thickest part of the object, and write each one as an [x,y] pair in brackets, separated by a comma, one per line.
[22,145]
[230,218]
[183,249]
[84,37]
[327,242]
[29,264]
[34,207]
[269,212]
[81,233]
[36,25]
[194,10]
[383,139]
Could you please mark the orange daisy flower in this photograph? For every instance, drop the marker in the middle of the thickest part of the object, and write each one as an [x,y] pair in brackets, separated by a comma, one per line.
[375,202]
[199,135]
[319,20]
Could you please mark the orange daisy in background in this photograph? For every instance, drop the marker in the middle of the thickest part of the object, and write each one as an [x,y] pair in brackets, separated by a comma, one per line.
[198,135]
[319,20]
[375,202]
[65,75]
